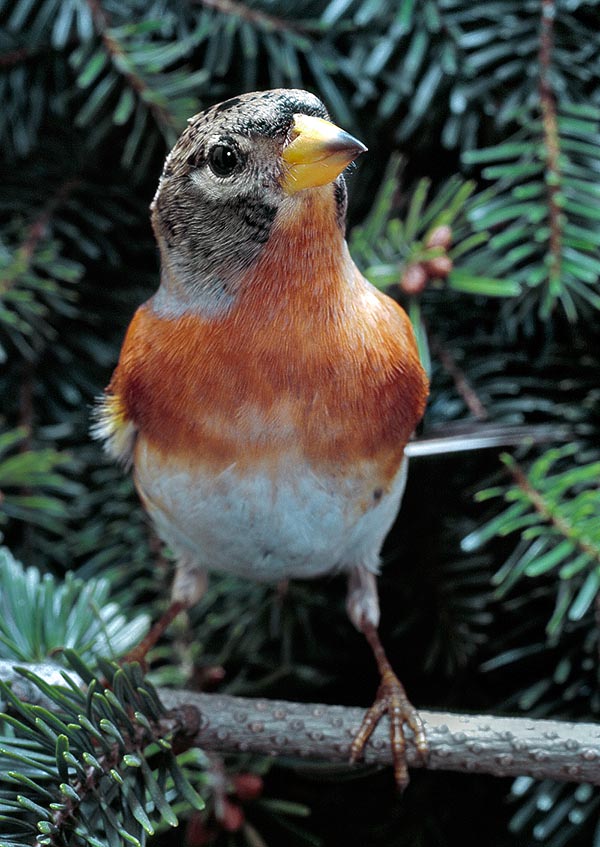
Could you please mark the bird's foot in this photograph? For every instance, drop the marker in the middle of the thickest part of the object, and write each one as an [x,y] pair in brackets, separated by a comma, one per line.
[391,698]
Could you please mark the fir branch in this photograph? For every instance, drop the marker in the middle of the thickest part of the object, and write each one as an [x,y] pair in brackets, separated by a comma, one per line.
[19,55]
[162,115]
[430,237]
[65,815]
[556,516]
[256,17]
[597,621]
[550,512]
[90,784]
[35,292]
[500,746]
[541,206]
[109,738]
[34,234]
[26,390]
[83,617]
[553,174]
[28,52]
[460,379]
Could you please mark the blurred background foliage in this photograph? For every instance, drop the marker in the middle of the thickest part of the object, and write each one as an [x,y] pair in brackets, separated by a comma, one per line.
[482,122]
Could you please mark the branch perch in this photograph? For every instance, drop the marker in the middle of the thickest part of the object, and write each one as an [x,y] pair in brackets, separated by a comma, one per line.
[489,744]
[500,746]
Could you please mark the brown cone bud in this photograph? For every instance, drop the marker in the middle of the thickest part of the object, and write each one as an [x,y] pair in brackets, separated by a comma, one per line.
[441,236]
[414,279]
[247,786]
[438,266]
[232,818]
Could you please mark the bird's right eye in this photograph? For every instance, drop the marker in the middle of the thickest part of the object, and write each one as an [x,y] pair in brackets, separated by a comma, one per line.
[223,160]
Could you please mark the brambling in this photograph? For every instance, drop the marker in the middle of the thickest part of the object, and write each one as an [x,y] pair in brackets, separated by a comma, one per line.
[265,394]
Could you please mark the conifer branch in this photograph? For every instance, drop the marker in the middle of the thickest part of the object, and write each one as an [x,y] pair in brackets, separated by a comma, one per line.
[500,746]
[256,17]
[29,52]
[597,621]
[489,744]
[179,723]
[118,55]
[19,55]
[34,234]
[39,226]
[551,515]
[460,379]
[551,139]
[65,815]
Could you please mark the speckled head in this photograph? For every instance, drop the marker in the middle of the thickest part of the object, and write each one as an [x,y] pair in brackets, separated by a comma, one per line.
[268,113]
[231,172]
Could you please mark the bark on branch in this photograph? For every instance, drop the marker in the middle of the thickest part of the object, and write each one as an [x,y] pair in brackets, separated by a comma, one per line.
[469,743]
[489,744]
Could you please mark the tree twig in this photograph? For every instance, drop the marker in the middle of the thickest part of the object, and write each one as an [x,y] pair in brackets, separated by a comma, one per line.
[550,514]
[254,16]
[121,62]
[551,138]
[490,744]
[36,231]
[19,55]
[458,376]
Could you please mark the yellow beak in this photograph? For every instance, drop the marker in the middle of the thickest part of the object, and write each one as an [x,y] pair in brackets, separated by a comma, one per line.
[317,153]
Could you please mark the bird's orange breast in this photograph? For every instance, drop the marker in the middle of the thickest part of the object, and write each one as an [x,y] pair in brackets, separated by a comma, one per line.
[312,361]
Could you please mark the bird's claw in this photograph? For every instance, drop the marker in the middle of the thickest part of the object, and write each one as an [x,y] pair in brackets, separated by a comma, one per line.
[391,698]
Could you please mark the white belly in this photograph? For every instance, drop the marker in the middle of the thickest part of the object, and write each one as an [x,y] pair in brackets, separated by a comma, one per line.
[268,526]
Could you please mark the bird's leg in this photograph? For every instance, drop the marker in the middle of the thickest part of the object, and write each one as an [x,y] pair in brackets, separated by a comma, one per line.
[188,587]
[363,609]
[391,698]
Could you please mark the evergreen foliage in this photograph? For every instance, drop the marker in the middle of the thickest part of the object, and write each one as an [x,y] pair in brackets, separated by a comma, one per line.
[96,767]
[478,208]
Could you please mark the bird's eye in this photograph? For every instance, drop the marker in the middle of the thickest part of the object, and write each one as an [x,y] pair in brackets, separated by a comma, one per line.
[223,160]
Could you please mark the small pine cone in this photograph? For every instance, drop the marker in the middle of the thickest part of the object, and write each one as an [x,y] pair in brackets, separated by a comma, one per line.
[247,786]
[439,266]
[414,279]
[441,236]
[232,818]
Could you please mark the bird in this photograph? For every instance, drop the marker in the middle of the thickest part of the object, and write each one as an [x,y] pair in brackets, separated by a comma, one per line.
[265,394]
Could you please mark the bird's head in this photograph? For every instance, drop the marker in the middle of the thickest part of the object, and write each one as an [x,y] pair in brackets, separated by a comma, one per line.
[239,167]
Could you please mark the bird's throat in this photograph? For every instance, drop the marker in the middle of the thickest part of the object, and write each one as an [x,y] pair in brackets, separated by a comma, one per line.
[305,265]
[301,267]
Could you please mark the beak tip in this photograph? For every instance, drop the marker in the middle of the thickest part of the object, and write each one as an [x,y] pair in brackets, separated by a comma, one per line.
[317,153]
[351,144]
